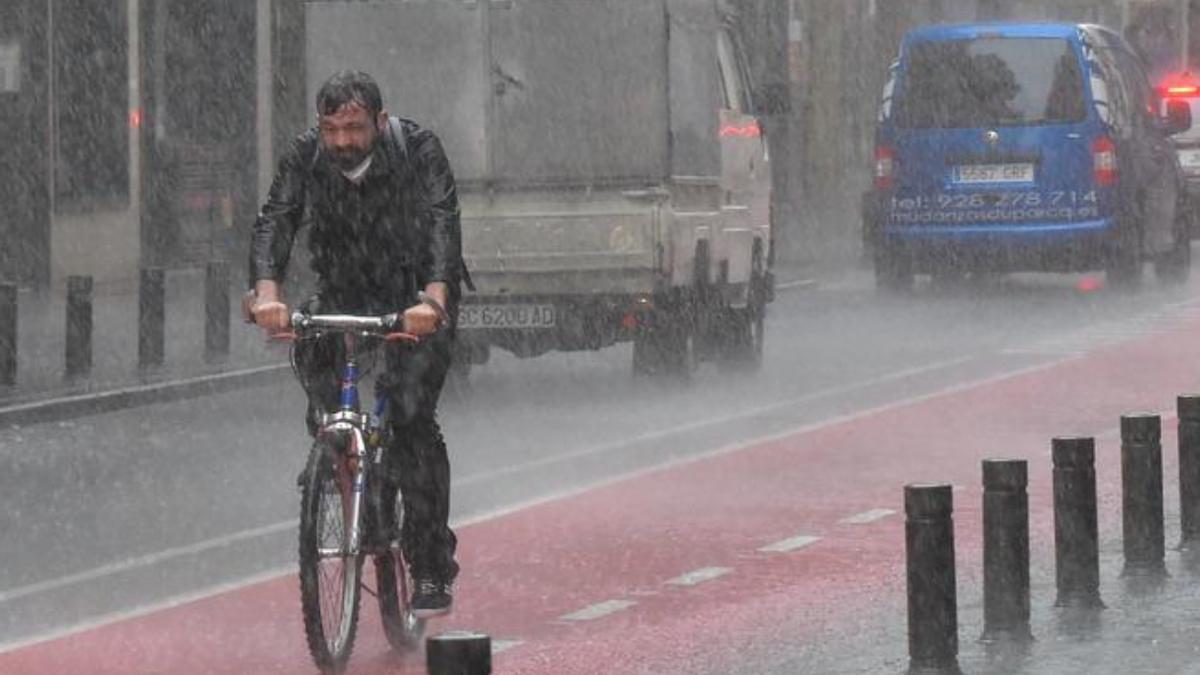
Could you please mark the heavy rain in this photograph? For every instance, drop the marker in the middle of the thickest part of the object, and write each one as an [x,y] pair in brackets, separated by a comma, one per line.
[611,337]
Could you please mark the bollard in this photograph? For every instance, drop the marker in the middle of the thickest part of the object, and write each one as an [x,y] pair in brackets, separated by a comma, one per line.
[1005,550]
[1188,407]
[216,309]
[932,594]
[151,317]
[79,326]
[1076,532]
[458,653]
[1142,495]
[8,334]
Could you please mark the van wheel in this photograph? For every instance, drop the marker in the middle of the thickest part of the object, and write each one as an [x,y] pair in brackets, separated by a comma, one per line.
[1174,266]
[893,271]
[1123,269]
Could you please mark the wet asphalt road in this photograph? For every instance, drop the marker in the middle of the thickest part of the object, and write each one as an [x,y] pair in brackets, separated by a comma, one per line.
[103,515]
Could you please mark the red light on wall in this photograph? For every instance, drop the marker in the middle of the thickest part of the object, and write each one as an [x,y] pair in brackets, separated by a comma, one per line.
[135,118]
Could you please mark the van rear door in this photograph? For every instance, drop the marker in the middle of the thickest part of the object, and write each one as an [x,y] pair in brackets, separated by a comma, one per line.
[991,135]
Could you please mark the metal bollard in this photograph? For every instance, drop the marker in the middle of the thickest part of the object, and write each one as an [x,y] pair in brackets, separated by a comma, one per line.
[1005,550]
[8,334]
[932,593]
[1188,407]
[458,653]
[1142,495]
[79,326]
[151,317]
[1076,531]
[216,309]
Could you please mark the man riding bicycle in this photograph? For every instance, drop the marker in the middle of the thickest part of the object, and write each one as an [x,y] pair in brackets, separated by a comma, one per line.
[379,199]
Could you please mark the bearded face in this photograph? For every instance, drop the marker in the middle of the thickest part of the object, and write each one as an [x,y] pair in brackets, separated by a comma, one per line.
[349,134]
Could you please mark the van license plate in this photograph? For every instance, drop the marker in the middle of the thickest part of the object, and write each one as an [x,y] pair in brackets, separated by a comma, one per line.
[506,316]
[993,173]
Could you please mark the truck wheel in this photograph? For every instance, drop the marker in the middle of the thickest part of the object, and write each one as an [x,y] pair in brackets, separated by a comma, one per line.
[742,341]
[893,270]
[665,351]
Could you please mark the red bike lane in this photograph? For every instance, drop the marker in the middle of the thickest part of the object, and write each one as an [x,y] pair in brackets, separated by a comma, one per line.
[787,540]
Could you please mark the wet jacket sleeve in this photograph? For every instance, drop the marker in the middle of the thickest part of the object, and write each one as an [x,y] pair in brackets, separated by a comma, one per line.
[279,219]
[443,258]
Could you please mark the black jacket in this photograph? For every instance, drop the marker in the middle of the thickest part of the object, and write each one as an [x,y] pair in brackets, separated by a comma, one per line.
[374,242]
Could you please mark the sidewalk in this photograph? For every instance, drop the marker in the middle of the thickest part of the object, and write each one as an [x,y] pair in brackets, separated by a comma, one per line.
[42,390]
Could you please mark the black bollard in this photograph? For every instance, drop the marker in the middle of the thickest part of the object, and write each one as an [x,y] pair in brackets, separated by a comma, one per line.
[151,317]
[1188,407]
[458,653]
[932,594]
[79,326]
[1076,531]
[1142,495]
[216,309]
[1005,550]
[8,334]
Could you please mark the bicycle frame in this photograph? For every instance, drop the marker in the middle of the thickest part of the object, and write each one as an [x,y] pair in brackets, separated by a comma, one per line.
[355,432]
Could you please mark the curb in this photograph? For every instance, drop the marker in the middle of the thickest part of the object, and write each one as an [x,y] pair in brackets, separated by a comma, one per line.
[79,405]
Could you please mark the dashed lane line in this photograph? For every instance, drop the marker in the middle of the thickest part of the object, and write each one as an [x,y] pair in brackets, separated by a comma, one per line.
[700,576]
[598,610]
[790,544]
[867,517]
[499,646]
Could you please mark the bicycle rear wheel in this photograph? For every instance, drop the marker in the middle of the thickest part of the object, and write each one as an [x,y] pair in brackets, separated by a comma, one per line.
[329,576]
[394,589]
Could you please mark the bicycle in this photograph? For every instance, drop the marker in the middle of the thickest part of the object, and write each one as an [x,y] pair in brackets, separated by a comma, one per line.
[338,526]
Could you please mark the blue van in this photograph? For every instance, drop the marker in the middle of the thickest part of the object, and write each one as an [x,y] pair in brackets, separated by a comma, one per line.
[1013,146]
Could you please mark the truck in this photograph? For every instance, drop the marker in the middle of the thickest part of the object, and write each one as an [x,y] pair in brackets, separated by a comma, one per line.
[613,177]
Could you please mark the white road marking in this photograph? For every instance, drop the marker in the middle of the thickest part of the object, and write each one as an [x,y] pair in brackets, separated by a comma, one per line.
[504,645]
[599,610]
[146,560]
[789,544]
[700,576]
[867,517]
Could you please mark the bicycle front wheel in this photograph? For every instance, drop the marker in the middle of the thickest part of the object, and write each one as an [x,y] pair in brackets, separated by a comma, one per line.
[329,572]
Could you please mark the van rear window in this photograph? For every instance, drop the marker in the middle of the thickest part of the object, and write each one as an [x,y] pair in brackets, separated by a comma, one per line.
[990,82]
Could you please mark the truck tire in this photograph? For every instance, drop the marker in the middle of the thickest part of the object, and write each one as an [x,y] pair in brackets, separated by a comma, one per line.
[741,343]
[665,351]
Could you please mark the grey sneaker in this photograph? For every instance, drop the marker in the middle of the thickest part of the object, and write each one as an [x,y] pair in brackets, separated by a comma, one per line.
[431,598]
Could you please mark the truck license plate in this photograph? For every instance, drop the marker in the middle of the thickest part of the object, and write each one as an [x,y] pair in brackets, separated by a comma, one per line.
[1190,159]
[506,316]
[994,173]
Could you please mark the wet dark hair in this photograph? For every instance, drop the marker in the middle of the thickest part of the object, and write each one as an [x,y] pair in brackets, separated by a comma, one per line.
[349,86]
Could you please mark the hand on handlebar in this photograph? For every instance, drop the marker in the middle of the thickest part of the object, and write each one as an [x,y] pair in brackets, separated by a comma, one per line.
[421,320]
[273,316]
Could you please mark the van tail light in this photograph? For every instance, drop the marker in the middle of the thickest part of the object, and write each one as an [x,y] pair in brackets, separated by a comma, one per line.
[1104,161]
[885,167]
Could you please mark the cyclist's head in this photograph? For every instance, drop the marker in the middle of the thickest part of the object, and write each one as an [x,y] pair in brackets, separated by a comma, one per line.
[350,117]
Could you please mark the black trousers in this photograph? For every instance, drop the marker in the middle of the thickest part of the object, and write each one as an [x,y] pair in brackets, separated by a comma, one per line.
[414,449]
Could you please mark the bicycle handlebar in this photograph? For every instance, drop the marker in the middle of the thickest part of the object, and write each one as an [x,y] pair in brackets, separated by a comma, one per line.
[371,324]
